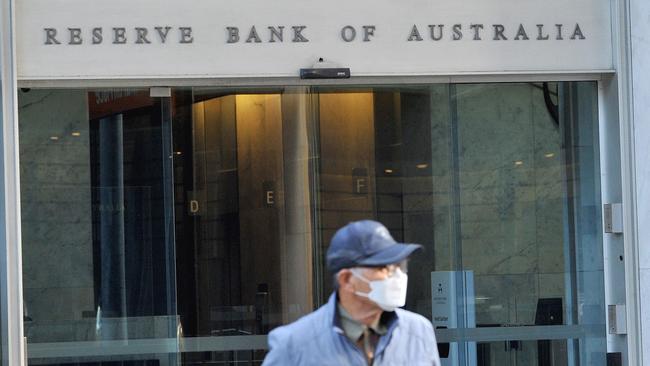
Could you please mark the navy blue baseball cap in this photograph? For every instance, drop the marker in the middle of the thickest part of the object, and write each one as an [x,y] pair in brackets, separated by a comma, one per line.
[365,243]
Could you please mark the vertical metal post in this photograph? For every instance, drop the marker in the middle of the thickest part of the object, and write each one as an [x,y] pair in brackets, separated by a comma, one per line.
[170,234]
[111,178]
[566,106]
[313,135]
[457,241]
[11,299]
[168,179]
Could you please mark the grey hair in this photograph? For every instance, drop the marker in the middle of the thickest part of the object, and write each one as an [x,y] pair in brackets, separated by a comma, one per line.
[335,281]
[335,278]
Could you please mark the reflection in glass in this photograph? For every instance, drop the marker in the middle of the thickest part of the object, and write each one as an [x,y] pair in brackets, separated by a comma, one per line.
[199,222]
[489,179]
[97,249]
[243,230]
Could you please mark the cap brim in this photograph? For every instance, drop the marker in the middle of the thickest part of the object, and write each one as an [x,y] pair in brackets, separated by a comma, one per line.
[394,254]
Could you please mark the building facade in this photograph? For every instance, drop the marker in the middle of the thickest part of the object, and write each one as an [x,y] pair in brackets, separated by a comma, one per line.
[173,173]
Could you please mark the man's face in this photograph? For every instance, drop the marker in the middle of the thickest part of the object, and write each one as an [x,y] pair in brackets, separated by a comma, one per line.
[371,274]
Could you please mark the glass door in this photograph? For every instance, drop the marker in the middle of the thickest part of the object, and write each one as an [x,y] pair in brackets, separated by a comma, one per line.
[499,182]
[98,233]
[244,237]
[182,230]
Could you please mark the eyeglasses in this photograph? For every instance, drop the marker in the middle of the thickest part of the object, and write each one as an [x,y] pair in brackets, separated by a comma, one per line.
[391,268]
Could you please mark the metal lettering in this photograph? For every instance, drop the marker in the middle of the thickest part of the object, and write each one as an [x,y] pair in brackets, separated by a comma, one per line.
[368,30]
[270,198]
[233,34]
[540,37]
[577,33]
[415,34]
[75,36]
[97,36]
[186,34]
[119,35]
[276,33]
[348,33]
[477,28]
[297,33]
[162,33]
[521,33]
[559,32]
[360,186]
[253,36]
[458,35]
[50,36]
[498,32]
[268,187]
[141,34]
[433,32]
[360,180]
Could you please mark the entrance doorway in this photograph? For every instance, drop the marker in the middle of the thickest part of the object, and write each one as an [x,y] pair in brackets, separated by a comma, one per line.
[229,198]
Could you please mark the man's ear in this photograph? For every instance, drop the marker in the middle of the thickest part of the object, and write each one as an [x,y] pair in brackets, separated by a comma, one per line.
[343,278]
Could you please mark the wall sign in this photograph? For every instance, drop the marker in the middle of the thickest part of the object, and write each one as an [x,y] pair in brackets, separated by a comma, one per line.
[360,181]
[75,39]
[269,189]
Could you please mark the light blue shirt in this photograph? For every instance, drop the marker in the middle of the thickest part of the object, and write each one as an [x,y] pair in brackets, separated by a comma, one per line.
[318,339]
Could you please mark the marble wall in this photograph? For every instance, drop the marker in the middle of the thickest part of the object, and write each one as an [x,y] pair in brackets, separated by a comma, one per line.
[57,228]
[511,199]
[56,207]
[511,196]
[511,188]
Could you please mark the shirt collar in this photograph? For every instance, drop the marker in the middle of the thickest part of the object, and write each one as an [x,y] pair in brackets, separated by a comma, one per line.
[343,323]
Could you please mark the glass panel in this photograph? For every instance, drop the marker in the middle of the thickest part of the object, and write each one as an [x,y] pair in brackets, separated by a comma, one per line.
[529,207]
[98,252]
[243,216]
[499,182]
[194,225]
[511,353]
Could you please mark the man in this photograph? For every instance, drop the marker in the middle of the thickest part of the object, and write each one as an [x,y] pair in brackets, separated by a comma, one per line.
[361,324]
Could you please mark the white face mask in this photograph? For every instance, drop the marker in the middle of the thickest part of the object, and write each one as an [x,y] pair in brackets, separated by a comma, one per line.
[389,293]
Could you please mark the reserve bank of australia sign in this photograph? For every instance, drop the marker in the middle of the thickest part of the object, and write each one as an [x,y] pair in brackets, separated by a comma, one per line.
[297,34]
[253,38]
